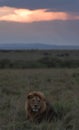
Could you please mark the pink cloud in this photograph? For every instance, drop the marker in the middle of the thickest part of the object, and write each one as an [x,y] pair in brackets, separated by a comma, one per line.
[28,16]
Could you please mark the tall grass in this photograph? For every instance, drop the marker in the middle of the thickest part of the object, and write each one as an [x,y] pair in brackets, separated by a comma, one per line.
[61,87]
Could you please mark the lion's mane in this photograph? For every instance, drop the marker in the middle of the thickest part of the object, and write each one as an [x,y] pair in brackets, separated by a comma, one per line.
[46,112]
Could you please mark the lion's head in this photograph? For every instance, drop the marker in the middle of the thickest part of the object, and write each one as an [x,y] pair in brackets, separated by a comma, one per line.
[38,108]
[36,102]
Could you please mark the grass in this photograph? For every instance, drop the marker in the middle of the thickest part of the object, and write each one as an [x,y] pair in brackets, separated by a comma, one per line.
[39,59]
[61,87]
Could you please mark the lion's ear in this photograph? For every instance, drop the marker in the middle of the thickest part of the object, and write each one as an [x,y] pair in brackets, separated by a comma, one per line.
[29,96]
[42,97]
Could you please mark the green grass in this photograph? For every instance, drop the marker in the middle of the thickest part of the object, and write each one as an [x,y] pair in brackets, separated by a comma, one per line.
[61,87]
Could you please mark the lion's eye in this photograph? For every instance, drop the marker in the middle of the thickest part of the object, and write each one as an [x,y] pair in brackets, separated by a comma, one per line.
[38,100]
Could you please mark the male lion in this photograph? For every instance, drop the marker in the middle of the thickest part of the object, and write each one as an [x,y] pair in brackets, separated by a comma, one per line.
[38,108]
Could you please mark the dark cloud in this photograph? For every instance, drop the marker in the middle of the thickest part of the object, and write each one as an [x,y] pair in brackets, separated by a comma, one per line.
[54,32]
[62,5]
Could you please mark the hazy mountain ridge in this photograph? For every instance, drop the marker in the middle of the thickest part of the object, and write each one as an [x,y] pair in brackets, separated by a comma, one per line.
[23,46]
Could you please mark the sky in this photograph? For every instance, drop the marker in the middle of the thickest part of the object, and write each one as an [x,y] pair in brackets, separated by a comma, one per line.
[39,21]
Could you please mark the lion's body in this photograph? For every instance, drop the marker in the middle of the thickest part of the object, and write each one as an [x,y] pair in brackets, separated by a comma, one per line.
[43,111]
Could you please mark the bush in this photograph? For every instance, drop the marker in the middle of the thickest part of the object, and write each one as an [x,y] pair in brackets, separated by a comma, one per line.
[5,63]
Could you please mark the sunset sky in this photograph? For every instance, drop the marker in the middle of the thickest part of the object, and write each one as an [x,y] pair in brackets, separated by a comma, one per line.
[39,21]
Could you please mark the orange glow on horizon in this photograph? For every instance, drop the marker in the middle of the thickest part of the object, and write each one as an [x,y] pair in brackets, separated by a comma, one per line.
[29,16]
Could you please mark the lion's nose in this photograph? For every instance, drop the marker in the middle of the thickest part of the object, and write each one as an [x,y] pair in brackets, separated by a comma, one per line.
[35,105]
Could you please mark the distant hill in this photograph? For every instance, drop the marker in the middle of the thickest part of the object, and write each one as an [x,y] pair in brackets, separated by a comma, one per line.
[39,46]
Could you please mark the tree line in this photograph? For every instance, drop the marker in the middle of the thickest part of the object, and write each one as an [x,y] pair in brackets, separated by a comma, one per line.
[44,62]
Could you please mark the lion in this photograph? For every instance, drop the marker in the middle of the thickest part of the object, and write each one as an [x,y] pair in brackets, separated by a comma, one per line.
[38,108]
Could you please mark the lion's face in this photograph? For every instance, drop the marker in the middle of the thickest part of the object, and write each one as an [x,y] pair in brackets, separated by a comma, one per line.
[36,101]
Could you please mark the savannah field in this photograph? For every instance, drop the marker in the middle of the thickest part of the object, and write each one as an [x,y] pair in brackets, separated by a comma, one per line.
[59,84]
